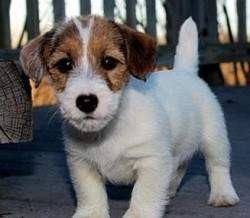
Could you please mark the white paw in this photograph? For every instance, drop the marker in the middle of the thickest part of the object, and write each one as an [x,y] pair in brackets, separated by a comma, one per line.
[223,199]
[131,214]
[142,213]
[84,213]
[172,193]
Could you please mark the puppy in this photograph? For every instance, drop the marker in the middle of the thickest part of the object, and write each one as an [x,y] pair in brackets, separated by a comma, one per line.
[125,130]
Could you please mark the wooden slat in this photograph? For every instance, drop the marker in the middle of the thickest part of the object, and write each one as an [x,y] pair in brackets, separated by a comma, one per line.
[131,13]
[212,28]
[242,26]
[5,40]
[108,7]
[32,18]
[177,12]
[59,10]
[209,53]
[85,7]
[9,54]
[151,17]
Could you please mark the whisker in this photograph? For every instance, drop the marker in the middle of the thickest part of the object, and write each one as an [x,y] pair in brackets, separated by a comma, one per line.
[53,116]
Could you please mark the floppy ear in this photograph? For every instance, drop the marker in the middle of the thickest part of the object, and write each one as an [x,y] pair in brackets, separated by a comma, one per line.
[31,57]
[141,49]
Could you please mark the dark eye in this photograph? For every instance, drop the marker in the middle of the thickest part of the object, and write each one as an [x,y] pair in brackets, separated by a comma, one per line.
[64,65]
[109,63]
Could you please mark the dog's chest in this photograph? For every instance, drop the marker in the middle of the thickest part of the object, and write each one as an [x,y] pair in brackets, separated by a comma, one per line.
[121,171]
[112,165]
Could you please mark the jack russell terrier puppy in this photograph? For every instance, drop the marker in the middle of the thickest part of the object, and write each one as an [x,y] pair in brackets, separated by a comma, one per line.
[125,130]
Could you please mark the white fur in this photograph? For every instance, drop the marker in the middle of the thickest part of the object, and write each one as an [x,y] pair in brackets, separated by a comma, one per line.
[84,81]
[85,34]
[153,130]
[186,57]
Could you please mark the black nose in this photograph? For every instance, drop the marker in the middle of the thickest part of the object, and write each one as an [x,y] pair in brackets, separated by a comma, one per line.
[87,103]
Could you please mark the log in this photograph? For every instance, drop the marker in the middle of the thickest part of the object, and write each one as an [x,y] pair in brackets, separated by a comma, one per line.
[15,104]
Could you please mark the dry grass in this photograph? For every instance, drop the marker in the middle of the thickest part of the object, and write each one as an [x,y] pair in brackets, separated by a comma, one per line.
[44,95]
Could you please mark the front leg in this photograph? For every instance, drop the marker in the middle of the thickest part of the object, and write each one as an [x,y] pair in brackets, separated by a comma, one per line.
[150,192]
[90,190]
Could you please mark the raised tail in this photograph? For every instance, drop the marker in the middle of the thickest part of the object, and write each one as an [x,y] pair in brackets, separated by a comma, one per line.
[186,57]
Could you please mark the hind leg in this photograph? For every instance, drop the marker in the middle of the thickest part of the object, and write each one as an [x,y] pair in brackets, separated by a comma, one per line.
[177,178]
[216,149]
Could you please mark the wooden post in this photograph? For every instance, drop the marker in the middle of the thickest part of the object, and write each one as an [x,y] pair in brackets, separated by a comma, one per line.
[16,109]
[242,26]
[151,17]
[199,16]
[177,12]
[131,13]
[85,7]
[32,19]
[59,10]
[5,40]
[212,25]
[109,6]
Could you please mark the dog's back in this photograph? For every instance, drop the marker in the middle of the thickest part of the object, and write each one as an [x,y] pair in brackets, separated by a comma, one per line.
[191,108]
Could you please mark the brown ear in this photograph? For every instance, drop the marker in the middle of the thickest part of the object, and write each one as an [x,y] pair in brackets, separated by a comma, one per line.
[141,50]
[31,57]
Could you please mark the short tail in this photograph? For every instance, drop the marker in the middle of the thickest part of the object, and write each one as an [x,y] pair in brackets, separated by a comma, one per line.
[186,57]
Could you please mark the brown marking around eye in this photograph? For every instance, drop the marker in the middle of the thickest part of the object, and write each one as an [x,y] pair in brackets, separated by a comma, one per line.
[66,44]
[106,40]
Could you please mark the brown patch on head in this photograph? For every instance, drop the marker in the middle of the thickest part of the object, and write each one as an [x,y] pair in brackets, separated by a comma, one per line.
[66,44]
[141,52]
[109,44]
[42,54]
[134,51]
[106,41]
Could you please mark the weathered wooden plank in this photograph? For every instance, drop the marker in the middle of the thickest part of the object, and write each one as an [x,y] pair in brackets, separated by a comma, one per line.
[199,16]
[242,20]
[231,38]
[85,7]
[209,53]
[5,40]
[242,26]
[211,21]
[32,19]
[108,6]
[151,17]
[59,10]
[9,54]
[13,208]
[131,13]
[177,12]
[33,158]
